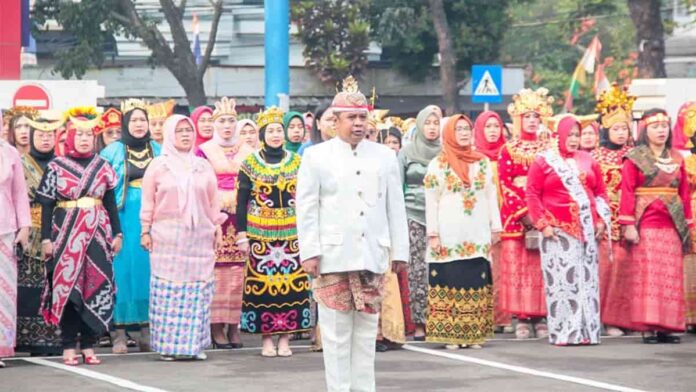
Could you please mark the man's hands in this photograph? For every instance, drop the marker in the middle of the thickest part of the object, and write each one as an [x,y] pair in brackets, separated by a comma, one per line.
[311,266]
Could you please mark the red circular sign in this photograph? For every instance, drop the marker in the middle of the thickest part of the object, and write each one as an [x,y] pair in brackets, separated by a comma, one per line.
[32,95]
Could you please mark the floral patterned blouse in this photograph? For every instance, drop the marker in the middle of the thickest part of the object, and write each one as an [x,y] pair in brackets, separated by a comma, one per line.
[462,216]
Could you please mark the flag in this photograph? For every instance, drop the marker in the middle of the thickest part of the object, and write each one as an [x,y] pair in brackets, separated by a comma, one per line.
[601,83]
[196,40]
[585,66]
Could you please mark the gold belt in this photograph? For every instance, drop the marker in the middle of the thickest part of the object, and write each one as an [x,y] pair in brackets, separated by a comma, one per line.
[657,191]
[83,202]
[136,183]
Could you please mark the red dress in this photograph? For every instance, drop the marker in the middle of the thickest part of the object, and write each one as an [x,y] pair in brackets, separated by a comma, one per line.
[521,286]
[613,285]
[656,199]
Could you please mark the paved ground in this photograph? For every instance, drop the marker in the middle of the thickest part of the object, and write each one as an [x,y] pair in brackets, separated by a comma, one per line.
[620,364]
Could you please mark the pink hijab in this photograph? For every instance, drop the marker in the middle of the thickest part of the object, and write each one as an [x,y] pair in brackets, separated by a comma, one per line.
[4,157]
[184,166]
[195,116]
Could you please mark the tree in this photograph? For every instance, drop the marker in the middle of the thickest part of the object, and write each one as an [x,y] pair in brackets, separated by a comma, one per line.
[650,33]
[448,63]
[335,37]
[93,22]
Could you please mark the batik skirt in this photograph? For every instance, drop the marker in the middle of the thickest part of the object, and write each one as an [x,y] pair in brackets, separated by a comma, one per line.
[613,284]
[522,293]
[180,316]
[276,289]
[502,317]
[572,291]
[131,267]
[417,272]
[656,281]
[460,302]
[8,295]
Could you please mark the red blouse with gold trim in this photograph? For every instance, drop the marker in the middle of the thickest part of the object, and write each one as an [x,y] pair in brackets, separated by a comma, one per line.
[611,162]
[515,159]
[549,202]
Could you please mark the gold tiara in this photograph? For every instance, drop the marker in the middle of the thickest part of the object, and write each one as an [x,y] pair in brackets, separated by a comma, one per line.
[269,116]
[133,103]
[225,107]
[161,109]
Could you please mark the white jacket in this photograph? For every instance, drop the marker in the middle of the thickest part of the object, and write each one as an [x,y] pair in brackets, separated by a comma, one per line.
[350,207]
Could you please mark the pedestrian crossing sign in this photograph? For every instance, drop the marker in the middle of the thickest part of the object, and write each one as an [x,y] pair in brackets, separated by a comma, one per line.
[487,84]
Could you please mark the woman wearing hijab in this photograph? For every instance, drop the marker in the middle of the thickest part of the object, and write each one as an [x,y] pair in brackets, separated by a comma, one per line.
[80,232]
[276,289]
[413,164]
[463,220]
[130,157]
[568,205]
[522,283]
[180,220]
[655,213]
[589,137]
[324,127]
[61,134]
[489,139]
[293,123]
[248,132]
[33,334]
[226,152]
[202,118]
[15,223]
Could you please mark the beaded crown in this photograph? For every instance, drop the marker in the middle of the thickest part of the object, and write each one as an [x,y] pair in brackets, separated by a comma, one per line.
[161,109]
[271,115]
[615,106]
[132,104]
[225,107]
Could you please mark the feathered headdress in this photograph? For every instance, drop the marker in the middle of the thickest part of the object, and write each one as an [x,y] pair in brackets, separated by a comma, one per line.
[83,117]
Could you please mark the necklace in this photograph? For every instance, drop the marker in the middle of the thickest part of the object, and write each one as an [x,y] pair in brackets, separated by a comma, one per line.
[139,159]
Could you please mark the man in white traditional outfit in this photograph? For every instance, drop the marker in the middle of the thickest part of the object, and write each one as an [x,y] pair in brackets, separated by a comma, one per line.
[351,221]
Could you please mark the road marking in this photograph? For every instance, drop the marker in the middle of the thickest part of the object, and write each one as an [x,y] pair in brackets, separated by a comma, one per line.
[120,382]
[523,370]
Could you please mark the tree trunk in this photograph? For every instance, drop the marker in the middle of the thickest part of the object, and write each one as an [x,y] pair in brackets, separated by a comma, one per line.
[448,77]
[649,37]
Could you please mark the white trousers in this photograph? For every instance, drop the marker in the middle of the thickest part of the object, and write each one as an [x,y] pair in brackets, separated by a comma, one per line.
[348,340]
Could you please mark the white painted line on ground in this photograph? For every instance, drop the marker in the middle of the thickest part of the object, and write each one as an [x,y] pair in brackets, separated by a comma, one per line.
[120,382]
[523,370]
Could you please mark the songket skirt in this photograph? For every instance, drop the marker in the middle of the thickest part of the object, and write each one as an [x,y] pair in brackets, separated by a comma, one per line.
[572,291]
[276,289]
[613,284]
[8,296]
[656,281]
[460,302]
[502,317]
[180,316]
[522,291]
[131,267]
[391,317]
[690,288]
[418,272]
[229,276]
[405,292]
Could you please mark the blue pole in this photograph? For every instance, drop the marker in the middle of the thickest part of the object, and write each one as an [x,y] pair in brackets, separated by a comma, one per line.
[277,50]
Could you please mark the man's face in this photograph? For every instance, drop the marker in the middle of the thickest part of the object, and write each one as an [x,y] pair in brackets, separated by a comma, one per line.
[351,126]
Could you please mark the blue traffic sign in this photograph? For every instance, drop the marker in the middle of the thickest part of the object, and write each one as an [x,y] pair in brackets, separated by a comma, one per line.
[487,84]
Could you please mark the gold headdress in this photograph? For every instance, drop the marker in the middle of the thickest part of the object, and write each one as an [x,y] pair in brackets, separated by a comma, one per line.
[350,98]
[615,106]
[376,117]
[391,121]
[407,124]
[48,121]
[686,122]
[83,117]
[20,111]
[269,116]
[132,104]
[225,107]
[528,100]
[161,109]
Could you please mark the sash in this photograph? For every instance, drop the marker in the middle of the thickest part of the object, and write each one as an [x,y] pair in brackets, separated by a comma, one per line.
[570,177]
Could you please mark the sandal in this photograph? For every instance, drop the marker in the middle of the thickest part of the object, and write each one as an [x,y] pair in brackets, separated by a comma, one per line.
[663,337]
[541,330]
[120,342]
[2,365]
[650,339]
[284,352]
[91,360]
[614,332]
[523,330]
[71,361]
[269,352]
[451,346]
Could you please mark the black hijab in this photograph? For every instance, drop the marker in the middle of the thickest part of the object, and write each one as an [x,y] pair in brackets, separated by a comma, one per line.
[41,158]
[127,138]
[271,155]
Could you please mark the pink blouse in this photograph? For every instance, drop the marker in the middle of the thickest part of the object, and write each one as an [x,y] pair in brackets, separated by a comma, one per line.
[14,196]
[160,194]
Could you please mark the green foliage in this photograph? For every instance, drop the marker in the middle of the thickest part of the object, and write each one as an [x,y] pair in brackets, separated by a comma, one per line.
[539,40]
[335,34]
